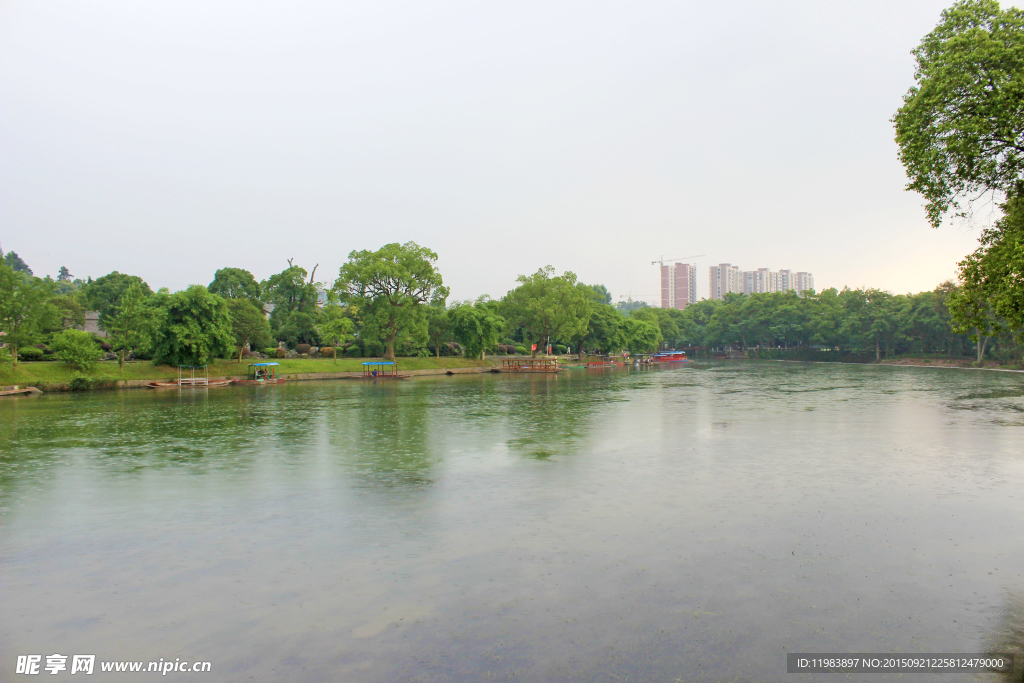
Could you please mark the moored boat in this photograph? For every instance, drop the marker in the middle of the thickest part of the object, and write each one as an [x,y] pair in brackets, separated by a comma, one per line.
[15,390]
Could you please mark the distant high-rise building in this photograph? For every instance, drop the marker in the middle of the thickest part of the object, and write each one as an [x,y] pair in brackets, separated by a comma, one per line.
[786,281]
[725,278]
[678,285]
[803,281]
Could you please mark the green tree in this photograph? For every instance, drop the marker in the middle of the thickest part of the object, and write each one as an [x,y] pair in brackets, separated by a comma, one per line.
[990,298]
[64,275]
[128,324]
[290,291]
[549,306]
[390,287]
[104,293]
[194,329]
[476,327]
[78,349]
[961,128]
[335,326]
[25,308]
[236,283]
[12,260]
[69,310]
[439,327]
[601,294]
[604,331]
[641,336]
[248,324]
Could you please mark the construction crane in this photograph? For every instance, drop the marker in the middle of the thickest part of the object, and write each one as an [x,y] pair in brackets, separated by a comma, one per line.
[678,258]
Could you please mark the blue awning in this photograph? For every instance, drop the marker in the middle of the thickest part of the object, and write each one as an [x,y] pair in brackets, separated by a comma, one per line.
[262,365]
[379,362]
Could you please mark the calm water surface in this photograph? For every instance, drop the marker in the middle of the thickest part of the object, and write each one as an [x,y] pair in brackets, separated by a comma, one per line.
[691,524]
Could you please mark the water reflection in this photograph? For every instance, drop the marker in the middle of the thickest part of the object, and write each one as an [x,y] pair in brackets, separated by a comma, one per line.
[691,524]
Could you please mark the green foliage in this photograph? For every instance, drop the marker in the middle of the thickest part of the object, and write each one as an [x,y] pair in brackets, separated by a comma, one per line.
[69,312]
[78,349]
[64,275]
[104,293]
[12,260]
[476,327]
[25,308]
[195,328]
[130,323]
[601,294]
[353,352]
[990,299]
[521,350]
[336,326]
[270,351]
[289,291]
[628,306]
[641,336]
[961,128]
[439,327]
[389,287]
[30,353]
[297,327]
[236,283]
[549,306]
[248,324]
[81,384]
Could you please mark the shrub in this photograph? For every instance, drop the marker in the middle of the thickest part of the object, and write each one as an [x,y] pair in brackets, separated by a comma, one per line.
[81,383]
[302,349]
[270,351]
[521,350]
[105,346]
[29,353]
[510,349]
[560,349]
[353,352]
[76,348]
[326,351]
[279,353]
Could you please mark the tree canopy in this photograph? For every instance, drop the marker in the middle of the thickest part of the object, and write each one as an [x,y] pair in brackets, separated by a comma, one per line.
[550,306]
[104,293]
[235,283]
[389,286]
[195,328]
[961,127]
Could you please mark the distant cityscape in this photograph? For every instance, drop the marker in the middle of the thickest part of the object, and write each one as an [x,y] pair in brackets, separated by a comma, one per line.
[679,282]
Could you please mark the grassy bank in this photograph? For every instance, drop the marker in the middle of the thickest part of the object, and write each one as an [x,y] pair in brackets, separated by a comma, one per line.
[54,375]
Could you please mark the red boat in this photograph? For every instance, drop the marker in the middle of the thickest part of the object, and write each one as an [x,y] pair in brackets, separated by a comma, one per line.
[670,357]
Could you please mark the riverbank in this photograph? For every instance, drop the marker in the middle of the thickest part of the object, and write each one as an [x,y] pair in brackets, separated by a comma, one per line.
[56,376]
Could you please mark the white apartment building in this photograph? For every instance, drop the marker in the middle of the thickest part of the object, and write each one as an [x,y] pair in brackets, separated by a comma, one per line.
[802,282]
[724,278]
[678,285]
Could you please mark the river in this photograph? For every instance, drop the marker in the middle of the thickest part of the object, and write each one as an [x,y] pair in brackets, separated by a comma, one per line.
[693,524]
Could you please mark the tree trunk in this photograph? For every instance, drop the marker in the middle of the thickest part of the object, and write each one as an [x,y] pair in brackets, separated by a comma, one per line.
[14,350]
[981,346]
[389,348]
[240,347]
[878,350]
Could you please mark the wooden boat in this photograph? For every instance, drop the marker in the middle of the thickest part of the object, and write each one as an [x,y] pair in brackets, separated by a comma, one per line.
[670,357]
[15,390]
[175,385]
[530,365]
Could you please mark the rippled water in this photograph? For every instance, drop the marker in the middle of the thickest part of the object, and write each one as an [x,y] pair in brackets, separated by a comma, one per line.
[690,524]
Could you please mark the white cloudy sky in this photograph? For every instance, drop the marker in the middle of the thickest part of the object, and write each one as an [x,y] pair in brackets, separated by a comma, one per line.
[168,139]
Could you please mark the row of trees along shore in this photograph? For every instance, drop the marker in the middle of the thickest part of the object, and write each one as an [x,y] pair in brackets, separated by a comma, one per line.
[393,302]
[960,133]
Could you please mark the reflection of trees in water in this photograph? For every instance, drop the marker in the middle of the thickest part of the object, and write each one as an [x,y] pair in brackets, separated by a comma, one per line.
[550,415]
[383,432]
[1008,637]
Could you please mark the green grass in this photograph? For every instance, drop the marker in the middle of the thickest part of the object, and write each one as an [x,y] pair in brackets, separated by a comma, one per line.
[55,373]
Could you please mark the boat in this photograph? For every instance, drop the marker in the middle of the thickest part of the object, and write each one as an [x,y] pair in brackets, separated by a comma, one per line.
[381,369]
[15,390]
[670,357]
[261,374]
[175,385]
[530,365]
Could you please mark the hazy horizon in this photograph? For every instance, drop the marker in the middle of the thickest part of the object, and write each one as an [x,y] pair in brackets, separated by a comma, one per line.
[168,141]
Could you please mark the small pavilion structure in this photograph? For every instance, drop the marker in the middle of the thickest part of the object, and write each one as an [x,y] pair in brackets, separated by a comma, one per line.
[381,369]
[187,376]
[263,373]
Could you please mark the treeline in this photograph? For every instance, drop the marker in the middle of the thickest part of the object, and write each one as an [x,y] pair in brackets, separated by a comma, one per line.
[393,302]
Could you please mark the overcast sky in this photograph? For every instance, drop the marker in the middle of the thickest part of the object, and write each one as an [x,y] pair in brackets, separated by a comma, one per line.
[169,139]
